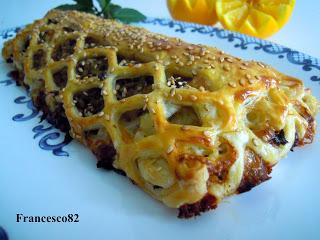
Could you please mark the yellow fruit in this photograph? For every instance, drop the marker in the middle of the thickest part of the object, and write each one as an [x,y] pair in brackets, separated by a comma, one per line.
[259,18]
[198,11]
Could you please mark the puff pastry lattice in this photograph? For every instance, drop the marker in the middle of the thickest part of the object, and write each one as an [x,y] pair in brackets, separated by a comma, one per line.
[187,123]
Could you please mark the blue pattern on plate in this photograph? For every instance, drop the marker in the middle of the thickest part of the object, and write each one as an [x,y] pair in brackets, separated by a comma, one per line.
[48,134]
[3,234]
[21,116]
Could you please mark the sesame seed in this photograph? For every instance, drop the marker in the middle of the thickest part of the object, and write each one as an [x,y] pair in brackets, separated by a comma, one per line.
[261,65]
[242,82]
[152,110]
[232,84]
[107,117]
[172,92]
[257,77]
[185,128]
[100,114]
[144,107]
[80,69]
[166,63]
[179,97]
[251,81]
[193,97]
[212,66]
[202,89]
[228,59]
[255,142]
[248,76]
[170,149]
[243,67]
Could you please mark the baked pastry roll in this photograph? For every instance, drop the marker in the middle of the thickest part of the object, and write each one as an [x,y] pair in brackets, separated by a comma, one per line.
[187,123]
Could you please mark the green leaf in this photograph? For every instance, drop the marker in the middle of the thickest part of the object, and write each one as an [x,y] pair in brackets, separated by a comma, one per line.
[70,7]
[113,8]
[85,3]
[104,4]
[128,15]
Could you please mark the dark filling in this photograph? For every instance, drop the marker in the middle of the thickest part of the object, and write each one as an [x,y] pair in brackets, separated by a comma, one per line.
[68,29]
[255,171]
[105,152]
[18,77]
[106,155]
[26,43]
[52,21]
[91,133]
[207,203]
[64,49]
[46,36]
[132,115]
[178,81]
[90,67]
[10,59]
[57,117]
[129,87]
[39,59]
[91,42]
[60,78]
[296,142]
[278,138]
[89,102]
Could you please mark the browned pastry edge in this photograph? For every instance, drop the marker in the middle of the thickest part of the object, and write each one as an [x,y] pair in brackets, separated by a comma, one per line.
[207,203]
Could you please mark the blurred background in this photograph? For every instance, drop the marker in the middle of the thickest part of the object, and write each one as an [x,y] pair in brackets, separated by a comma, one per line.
[302,31]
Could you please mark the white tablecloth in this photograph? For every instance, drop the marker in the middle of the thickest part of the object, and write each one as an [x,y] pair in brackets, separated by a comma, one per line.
[301,33]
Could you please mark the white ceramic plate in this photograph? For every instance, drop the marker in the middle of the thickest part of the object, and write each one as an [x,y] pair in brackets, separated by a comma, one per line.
[42,176]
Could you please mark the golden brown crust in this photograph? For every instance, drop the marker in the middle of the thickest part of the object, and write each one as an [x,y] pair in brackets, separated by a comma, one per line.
[187,123]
